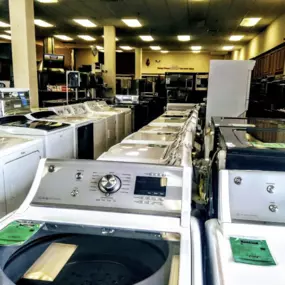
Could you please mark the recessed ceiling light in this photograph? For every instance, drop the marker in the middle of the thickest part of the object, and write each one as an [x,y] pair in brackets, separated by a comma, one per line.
[196,51]
[99,47]
[85,23]
[8,32]
[249,22]
[236,38]
[146,38]
[42,23]
[118,50]
[228,47]
[164,51]
[126,47]
[48,1]
[4,25]
[116,38]
[183,38]
[86,38]
[133,23]
[63,37]
[196,48]
[6,37]
[155,47]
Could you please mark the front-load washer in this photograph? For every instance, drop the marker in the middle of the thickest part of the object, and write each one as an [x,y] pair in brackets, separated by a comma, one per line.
[148,138]
[58,137]
[19,159]
[105,107]
[95,222]
[120,118]
[81,109]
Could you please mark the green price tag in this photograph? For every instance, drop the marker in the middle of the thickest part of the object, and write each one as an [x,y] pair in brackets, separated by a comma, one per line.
[17,233]
[249,251]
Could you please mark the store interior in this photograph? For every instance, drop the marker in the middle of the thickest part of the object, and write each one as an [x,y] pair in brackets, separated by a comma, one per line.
[142,142]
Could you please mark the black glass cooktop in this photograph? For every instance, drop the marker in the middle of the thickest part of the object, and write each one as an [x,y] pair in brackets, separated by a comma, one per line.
[23,122]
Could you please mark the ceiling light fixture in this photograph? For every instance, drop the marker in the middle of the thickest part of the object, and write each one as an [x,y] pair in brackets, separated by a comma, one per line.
[48,1]
[63,37]
[249,22]
[126,47]
[4,25]
[99,47]
[184,38]
[86,38]
[118,50]
[133,23]
[42,23]
[236,38]
[228,47]
[155,47]
[196,48]
[115,38]
[164,51]
[147,38]
[101,50]
[8,32]
[6,37]
[85,23]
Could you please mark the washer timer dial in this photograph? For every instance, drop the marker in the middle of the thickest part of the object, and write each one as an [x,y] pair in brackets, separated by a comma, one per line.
[109,184]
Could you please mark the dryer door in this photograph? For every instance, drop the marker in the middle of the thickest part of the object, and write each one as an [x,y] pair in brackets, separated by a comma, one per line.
[18,178]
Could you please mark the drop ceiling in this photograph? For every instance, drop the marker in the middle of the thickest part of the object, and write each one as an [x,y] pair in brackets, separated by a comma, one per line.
[210,23]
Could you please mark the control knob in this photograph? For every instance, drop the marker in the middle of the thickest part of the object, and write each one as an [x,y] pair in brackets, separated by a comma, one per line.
[109,184]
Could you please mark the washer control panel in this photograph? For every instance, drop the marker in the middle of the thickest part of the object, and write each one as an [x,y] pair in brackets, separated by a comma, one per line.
[257,195]
[111,186]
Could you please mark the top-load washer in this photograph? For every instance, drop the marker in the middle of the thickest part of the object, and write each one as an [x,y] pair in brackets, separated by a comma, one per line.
[95,222]
[120,118]
[82,110]
[169,121]
[89,140]
[58,137]
[160,129]
[148,138]
[19,159]
[105,107]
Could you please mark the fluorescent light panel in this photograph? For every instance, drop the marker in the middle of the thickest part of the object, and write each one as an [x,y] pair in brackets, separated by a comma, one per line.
[126,47]
[249,22]
[228,47]
[48,1]
[236,38]
[99,47]
[4,25]
[164,51]
[8,32]
[6,37]
[133,23]
[63,37]
[41,23]
[196,48]
[118,50]
[85,23]
[146,38]
[155,47]
[86,38]
[184,38]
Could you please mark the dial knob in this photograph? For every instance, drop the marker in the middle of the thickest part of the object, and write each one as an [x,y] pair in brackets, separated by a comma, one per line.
[109,183]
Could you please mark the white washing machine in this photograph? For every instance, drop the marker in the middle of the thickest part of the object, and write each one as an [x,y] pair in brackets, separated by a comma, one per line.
[89,135]
[170,121]
[120,118]
[149,138]
[19,159]
[160,129]
[246,243]
[94,222]
[81,109]
[58,137]
[105,107]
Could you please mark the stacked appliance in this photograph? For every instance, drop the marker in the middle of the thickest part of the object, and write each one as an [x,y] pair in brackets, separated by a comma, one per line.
[58,137]
[19,159]
[140,218]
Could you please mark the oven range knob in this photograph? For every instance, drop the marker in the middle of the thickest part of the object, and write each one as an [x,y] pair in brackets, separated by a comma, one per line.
[109,184]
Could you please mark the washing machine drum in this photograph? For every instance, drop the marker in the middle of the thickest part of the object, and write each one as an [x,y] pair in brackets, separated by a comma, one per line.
[94,260]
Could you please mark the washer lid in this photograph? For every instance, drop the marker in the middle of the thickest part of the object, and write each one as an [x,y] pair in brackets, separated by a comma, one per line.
[7,142]
[160,129]
[152,137]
